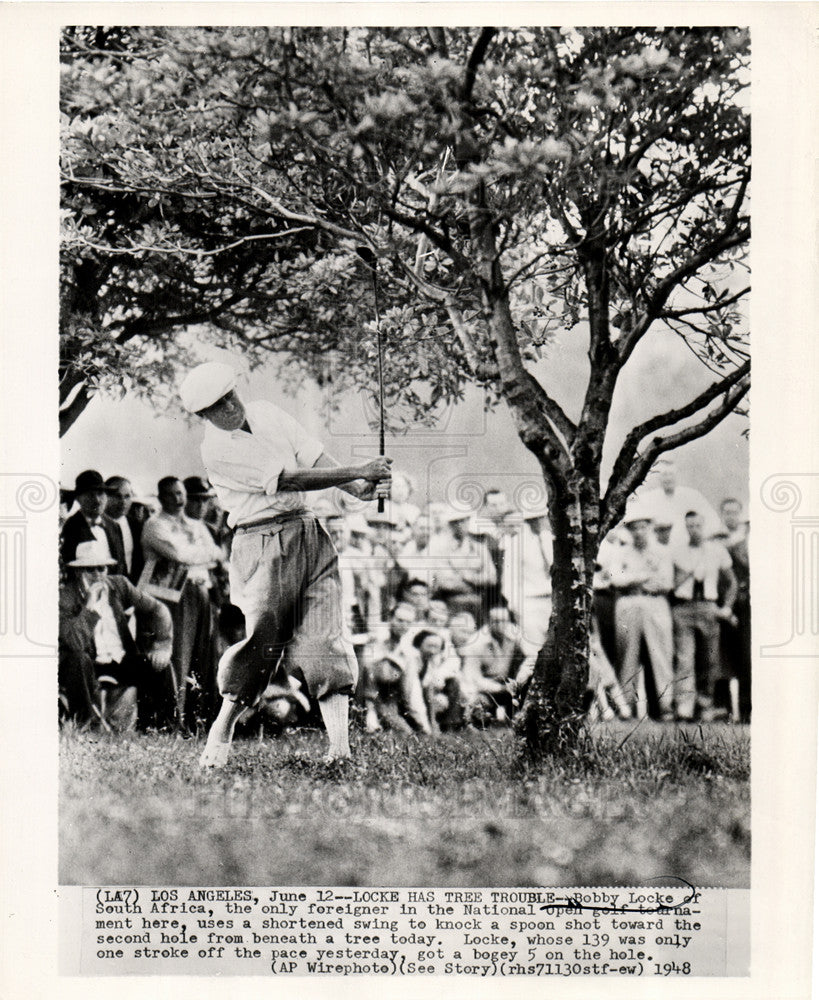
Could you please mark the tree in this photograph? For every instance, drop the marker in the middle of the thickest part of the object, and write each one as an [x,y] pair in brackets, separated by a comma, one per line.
[511,182]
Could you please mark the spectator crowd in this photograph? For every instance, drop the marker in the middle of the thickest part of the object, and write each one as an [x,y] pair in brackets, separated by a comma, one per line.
[447,608]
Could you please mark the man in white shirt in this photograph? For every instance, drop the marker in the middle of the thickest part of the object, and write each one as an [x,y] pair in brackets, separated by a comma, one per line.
[643,578]
[669,502]
[283,568]
[527,565]
[703,573]
[465,575]
[172,535]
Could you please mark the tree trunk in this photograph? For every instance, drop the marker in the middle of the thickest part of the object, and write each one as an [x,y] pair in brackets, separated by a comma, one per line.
[552,715]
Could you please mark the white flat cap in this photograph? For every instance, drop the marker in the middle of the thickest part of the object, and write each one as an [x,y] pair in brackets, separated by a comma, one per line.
[206,384]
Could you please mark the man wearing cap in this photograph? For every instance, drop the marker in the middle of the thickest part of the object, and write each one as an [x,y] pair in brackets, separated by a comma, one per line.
[283,569]
[90,522]
[643,578]
[100,666]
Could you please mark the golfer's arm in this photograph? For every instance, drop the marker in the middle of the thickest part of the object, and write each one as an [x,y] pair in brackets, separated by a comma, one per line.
[325,472]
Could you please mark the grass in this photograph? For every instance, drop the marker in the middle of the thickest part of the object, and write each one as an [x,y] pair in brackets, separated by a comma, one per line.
[636,802]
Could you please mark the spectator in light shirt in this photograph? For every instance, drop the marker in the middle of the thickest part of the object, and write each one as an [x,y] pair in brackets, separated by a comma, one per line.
[173,536]
[643,579]
[702,571]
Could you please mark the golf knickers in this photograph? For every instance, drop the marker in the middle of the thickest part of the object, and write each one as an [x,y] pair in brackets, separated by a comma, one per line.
[284,577]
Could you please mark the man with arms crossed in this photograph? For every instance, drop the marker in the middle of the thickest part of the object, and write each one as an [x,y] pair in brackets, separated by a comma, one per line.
[283,567]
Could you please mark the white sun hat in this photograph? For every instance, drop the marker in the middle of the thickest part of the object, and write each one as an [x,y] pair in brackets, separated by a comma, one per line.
[206,384]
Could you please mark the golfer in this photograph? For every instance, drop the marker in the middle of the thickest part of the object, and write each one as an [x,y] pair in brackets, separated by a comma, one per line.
[283,567]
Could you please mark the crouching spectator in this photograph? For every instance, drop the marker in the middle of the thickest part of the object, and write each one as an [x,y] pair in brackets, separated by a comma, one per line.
[440,681]
[513,657]
[487,693]
[100,663]
[396,683]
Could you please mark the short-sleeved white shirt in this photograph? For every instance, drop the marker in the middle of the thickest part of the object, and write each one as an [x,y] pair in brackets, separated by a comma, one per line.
[244,469]
[702,563]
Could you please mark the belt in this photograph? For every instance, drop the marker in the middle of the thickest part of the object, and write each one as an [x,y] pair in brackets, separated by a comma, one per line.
[278,520]
[638,591]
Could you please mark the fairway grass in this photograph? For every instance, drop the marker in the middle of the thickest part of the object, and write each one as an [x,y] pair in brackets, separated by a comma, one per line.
[636,803]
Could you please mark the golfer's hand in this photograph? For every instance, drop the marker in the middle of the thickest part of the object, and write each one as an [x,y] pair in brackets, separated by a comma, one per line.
[370,491]
[378,471]
[160,656]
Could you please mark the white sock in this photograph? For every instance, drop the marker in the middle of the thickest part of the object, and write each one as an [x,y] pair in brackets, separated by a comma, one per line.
[335,711]
[222,729]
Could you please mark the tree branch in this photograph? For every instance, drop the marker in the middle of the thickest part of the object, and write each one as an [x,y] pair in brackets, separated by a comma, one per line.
[101,184]
[476,57]
[619,492]
[463,335]
[726,239]
[699,311]
[629,448]
[146,248]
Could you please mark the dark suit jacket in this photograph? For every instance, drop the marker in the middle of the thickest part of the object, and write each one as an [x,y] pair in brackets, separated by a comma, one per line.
[137,559]
[77,623]
[76,529]
[77,670]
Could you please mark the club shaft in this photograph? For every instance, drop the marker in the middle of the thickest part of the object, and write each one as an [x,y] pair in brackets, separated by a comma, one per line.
[380,353]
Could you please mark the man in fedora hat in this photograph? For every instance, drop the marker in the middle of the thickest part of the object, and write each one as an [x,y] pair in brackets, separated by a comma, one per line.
[283,569]
[386,575]
[100,665]
[198,493]
[90,522]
